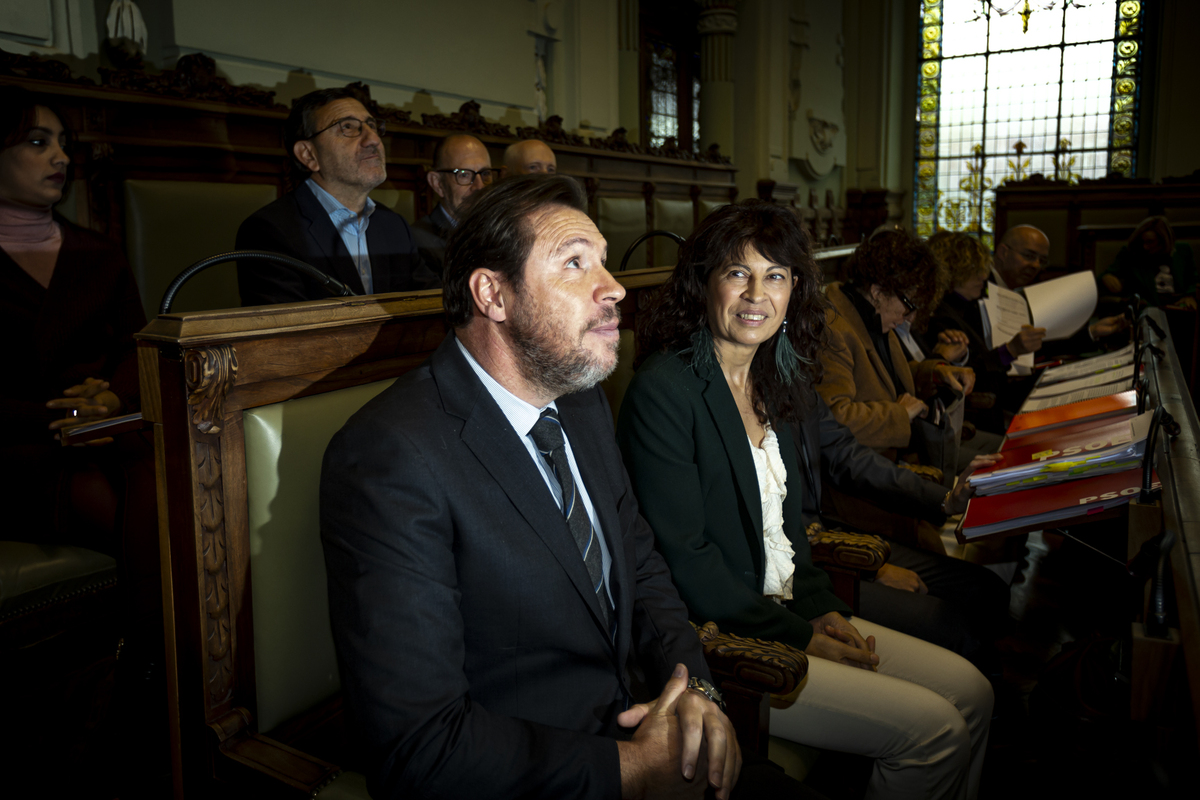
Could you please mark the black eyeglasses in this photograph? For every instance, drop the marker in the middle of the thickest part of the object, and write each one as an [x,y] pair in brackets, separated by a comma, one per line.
[908,304]
[352,127]
[465,177]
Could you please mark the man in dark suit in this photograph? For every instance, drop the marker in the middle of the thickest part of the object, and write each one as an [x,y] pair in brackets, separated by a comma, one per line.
[486,647]
[461,167]
[328,220]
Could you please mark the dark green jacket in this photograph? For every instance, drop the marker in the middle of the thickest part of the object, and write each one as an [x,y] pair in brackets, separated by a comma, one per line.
[689,459]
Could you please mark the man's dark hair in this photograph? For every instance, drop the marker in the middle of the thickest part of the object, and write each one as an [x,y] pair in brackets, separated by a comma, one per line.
[899,263]
[681,306]
[497,233]
[301,124]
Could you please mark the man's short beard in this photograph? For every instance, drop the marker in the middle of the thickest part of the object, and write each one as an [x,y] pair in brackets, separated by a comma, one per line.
[549,361]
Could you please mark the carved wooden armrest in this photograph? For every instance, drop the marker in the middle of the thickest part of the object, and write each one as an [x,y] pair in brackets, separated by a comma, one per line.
[931,474]
[981,400]
[755,664]
[854,551]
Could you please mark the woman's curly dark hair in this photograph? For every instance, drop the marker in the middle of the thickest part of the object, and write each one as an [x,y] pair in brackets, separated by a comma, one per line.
[899,263]
[681,306]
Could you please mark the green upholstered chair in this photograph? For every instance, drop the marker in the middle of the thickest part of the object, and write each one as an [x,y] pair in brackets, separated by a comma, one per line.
[402,201]
[170,225]
[676,216]
[294,660]
[709,206]
[621,220]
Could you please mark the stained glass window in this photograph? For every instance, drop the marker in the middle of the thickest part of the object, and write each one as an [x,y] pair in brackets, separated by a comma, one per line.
[1005,94]
[664,95]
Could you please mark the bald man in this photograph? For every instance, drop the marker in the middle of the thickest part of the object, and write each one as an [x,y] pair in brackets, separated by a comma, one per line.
[1021,256]
[531,155]
[461,167]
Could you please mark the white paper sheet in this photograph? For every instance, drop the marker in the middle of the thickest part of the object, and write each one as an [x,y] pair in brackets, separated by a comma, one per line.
[1092,393]
[1088,366]
[1064,305]
[1007,311]
[1121,375]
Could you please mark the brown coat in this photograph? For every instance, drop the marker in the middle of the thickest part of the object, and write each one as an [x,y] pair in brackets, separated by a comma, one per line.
[857,386]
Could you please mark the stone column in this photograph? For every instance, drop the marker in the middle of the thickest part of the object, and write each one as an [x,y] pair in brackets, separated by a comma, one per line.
[629,76]
[717,26]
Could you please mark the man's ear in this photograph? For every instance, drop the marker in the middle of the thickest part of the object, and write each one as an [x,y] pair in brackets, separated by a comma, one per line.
[306,154]
[488,293]
[435,182]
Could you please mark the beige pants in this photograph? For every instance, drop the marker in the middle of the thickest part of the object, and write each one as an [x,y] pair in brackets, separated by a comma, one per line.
[923,716]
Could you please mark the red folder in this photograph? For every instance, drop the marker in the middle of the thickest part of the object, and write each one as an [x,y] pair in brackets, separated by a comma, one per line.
[1050,434]
[1098,408]
[1066,441]
[1050,505]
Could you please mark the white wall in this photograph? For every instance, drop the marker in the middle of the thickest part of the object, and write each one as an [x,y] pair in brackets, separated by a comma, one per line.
[425,57]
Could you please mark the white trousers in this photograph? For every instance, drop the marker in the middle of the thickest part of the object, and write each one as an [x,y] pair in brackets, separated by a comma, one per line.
[923,717]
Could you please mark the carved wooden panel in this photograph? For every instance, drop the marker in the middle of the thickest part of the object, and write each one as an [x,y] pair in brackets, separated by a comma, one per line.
[210,373]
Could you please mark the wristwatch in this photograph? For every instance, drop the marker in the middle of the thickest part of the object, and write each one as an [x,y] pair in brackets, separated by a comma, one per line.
[706,688]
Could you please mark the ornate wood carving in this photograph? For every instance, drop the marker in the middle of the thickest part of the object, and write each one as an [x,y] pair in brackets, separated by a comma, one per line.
[468,119]
[193,78]
[230,724]
[218,626]
[390,115]
[210,373]
[38,68]
[856,551]
[618,142]
[551,131]
[766,666]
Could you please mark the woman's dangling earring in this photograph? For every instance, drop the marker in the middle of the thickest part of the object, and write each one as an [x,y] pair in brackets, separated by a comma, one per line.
[787,360]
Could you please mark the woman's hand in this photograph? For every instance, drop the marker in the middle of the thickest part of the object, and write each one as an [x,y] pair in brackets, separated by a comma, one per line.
[1112,283]
[956,501]
[835,639]
[952,345]
[86,402]
[960,379]
[913,406]
[900,578]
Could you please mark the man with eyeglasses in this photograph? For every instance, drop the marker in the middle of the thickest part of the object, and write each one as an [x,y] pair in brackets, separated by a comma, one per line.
[328,219]
[461,167]
[1022,254]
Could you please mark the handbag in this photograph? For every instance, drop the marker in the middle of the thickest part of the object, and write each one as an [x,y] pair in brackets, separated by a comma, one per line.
[935,439]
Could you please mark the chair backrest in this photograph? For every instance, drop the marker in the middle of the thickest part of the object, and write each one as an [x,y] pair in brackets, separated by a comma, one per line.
[402,201]
[622,220]
[676,216]
[294,661]
[170,225]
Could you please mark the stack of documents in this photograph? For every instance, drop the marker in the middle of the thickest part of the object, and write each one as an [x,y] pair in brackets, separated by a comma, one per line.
[1115,447]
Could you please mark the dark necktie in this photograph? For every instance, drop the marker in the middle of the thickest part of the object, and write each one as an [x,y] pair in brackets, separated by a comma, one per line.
[547,434]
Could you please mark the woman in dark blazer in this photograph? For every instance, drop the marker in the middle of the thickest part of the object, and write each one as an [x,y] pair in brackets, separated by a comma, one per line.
[705,430]
[70,309]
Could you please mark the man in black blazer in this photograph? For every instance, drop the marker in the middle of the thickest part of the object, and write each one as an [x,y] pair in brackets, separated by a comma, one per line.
[461,168]
[328,220]
[479,657]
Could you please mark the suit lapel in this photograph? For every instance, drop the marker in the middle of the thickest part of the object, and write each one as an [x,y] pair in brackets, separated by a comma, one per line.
[326,239]
[490,437]
[728,421]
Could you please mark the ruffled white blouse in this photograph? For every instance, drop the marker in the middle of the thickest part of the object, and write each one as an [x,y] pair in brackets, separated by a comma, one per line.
[772,489]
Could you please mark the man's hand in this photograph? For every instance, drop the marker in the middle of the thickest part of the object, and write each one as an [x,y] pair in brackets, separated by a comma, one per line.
[960,379]
[86,402]
[1188,302]
[956,503]
[835,639]
[914,407]
[672,731]
[1108,326]
[900,578]
[1028,340]
[1112,283]
[952,345]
